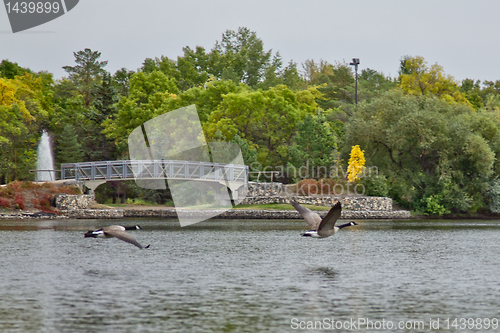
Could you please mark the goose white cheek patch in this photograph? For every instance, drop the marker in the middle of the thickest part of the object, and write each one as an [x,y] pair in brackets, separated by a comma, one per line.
[204,179]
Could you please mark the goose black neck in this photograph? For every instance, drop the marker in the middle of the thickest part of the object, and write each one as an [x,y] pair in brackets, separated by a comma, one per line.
[135,227]
[346,225]
[90,234]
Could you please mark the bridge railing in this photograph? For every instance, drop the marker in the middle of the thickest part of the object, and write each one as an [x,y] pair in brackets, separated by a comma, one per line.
[154,169]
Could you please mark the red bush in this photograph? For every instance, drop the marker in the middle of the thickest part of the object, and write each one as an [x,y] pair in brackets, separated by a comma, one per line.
[29,195]
[327,186]
[308,187]
[4,203]
[19,200]
[45,202]
[14,186]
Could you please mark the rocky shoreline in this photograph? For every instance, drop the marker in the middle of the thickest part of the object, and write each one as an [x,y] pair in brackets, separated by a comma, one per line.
[171,214]
[78,207]
[230,214]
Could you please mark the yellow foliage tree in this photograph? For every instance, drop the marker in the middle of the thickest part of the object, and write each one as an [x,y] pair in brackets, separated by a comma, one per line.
[17,92]
[7,92]
[356,164]
[416,78]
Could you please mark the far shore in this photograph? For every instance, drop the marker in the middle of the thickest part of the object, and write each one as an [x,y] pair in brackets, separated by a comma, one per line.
[270,211]
[486,216]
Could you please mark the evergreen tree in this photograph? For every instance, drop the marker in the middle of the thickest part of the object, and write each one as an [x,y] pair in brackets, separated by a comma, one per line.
[103,108]
[86,73]
[69,149]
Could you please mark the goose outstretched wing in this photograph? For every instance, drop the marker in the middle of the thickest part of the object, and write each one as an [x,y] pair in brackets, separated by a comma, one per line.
[312,218]
[328,223]
[119,232]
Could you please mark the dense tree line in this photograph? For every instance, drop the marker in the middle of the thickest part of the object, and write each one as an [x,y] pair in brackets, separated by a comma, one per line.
[433,140]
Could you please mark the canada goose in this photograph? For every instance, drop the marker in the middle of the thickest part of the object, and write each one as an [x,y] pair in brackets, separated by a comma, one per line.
[321,228]
[117,231]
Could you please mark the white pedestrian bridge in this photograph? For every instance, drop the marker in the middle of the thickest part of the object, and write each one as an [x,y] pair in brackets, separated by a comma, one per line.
[93,174]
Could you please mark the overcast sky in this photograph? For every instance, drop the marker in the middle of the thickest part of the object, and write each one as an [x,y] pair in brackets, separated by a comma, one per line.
[462,36]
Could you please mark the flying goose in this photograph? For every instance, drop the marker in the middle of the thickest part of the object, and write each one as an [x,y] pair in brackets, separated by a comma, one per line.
[321,228]
[117,231]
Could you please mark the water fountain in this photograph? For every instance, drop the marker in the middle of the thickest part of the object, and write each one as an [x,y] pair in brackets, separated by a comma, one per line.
[45,160]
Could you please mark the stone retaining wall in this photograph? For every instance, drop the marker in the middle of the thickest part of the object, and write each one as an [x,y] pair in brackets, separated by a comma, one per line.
[291,214]
[76,206]
[72,202]
[93,213]
[264,189]
[230,214]
[348,203]
[30,216]
[356,203]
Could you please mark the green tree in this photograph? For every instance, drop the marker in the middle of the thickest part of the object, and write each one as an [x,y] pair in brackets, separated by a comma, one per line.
[69,149]
[276,74]
[206,98]
[12,130]
[102,109]
[240,57]
[9,69]
[428,148]
[472,90]
[84,100]
[193,68]
[490,88]
[121,81]
[248,152]
[372,84]
[258,116]
[336,82]
[313,71]
[163,64]
[314,146]
[150,95]
[86,73]
[337,86]
[291,77]
[70,111]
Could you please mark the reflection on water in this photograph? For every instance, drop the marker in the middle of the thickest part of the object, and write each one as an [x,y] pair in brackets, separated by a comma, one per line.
[243,275]
[327,272]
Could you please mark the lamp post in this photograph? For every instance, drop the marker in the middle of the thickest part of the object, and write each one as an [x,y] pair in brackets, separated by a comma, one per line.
[355,63]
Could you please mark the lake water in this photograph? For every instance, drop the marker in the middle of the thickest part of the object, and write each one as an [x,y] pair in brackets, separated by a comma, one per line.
[250,276]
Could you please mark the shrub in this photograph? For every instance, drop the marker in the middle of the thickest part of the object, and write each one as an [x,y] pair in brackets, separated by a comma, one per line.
[308,187]
[376,186]
[326,185]
[14,186]
[433,205]
[493,196]
[19,200]
[4,203]
[44,202]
